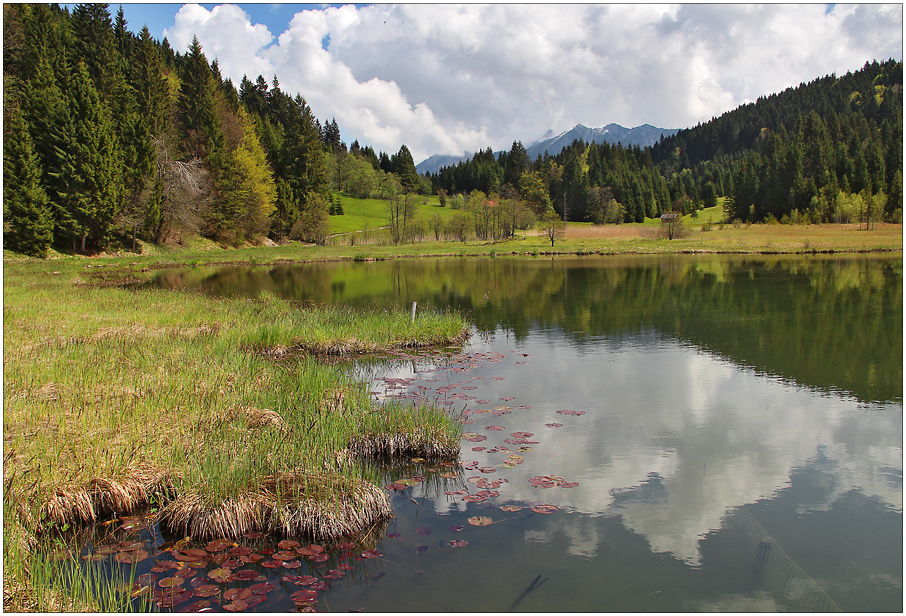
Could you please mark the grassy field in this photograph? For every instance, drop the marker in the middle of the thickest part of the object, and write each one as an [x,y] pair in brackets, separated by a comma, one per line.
[362,214]
[218,413]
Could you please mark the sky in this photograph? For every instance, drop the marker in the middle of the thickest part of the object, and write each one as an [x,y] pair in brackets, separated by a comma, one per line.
[455,78]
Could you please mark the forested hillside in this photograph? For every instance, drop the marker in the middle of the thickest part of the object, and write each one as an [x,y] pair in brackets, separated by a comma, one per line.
[112,136]
[826,151]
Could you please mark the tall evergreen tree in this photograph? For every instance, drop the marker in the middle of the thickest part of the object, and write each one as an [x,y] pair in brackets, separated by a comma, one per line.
[27,222]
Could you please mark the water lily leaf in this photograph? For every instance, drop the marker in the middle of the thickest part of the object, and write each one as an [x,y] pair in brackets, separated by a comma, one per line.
[245,574]
[321,585]
[288,544]
[545,508]
[494,428]
[131,557]
[292,564]
[480,520]
[306,594]
[421,549]
[372,554]
[319,558]
[206,590]
[423,531]
[474,498]
[271,564]
[287,555]
[333,574]
[478,448]
[345,567]
[253,535]
[346,546]
[458,543]
[511,508]
[126,546]
[219,545]
[171,582]
[450,475]
[236,606]
[395,487]
[231,563]
[306,580]
[521,434]
[568,484]
[554,424]
[456,529]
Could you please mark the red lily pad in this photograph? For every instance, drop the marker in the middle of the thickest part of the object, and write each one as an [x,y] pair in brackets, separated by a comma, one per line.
[395,487]
[171,582]
[346,546]
[206,590]
[474,498]
[522,434]
[458,543]
[567,412]
[288,544]
[254,534]
[554,424]
[231,563]
[511,508]
[372,554]
[219,575]
[319,558]
[494,428]
[317,549]
[480,520]
[271,564]
[507,398]
[245,574]
[568,484]
[236,606]
[306,580]
[285,555]
[473,437]
[292,564]
[237,593]
[545,508]
[423,531]
[322,585]
[131,557]
[218,545]
[306,594]
[334,574]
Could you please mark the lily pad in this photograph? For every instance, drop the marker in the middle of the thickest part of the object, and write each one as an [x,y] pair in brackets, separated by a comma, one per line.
[456,529]
[306,594]
[254,534]
[372,554]
[421,549]
[545,508]
[306,580]
[131,557]
[171,582]
[346,546]
[219,545]
[511,508]
[288,544]
[236,606]
[233,594]
[494,428]
[206,590]
[521,434]
[271,564]
[292,564]
[423,531]
[480,520]
[474,498]
[458,543]
[220,575]
[333,574]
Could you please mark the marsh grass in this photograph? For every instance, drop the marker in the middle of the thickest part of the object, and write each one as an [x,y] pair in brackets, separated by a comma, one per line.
[117,400]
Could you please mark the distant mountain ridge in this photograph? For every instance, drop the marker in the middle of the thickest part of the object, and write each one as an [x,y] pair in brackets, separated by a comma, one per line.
[642,136]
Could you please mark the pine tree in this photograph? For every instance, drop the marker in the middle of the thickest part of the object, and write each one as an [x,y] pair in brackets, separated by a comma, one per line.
[27,223]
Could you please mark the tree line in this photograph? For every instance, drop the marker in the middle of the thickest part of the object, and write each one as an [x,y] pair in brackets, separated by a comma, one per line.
[826,151]
[116,137]
[111,136]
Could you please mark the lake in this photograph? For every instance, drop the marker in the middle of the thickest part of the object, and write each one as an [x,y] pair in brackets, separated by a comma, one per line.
[685,433]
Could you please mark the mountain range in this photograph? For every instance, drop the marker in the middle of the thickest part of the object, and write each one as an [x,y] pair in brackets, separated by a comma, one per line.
[641,136]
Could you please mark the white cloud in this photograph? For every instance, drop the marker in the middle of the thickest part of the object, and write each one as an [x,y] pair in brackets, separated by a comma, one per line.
[447,78]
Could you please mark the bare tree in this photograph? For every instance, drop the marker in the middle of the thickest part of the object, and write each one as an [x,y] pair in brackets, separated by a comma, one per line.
[183,191]
[672,225]
[552,226]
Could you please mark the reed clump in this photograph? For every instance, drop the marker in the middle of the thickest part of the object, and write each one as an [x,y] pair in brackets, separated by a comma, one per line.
[116,400]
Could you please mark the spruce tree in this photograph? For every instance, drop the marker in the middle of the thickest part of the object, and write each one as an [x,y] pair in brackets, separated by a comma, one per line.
[27,222]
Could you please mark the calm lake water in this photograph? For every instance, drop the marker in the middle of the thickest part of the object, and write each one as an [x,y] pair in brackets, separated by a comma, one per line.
[707,433]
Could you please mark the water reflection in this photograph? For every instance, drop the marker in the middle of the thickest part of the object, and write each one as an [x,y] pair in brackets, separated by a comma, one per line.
[731,429]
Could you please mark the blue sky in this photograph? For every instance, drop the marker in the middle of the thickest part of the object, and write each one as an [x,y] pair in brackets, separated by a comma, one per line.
[455,78]
[275,16]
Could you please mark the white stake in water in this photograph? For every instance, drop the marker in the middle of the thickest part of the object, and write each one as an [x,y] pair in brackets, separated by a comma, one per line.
[413,312]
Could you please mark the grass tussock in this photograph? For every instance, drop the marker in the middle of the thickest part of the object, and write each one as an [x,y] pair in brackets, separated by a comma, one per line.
[117,400]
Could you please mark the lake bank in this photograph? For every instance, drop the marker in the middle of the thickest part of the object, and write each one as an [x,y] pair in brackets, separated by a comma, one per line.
[213,413]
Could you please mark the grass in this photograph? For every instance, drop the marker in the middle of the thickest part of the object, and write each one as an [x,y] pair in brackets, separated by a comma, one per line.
[212,409]
[361,214]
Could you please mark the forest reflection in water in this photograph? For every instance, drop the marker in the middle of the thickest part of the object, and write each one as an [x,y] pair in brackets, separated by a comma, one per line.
[736,442]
